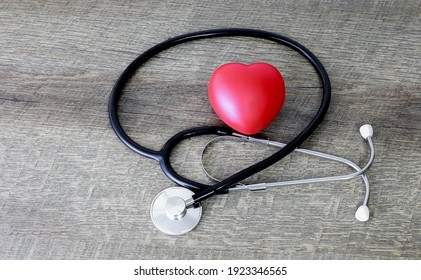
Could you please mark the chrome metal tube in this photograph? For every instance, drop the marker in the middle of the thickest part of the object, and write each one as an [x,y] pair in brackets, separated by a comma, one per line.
[263,186]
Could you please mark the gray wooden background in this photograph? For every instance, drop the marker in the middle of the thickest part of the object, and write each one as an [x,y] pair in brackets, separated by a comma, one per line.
[69,189]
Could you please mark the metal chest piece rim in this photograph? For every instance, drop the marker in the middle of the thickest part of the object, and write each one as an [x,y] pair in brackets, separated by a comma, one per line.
[170,214]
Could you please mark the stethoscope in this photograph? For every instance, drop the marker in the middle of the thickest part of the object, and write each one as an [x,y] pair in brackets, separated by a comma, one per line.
[177,210]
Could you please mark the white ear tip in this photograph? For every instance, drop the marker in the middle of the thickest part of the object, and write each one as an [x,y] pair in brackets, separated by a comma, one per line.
[362,214]
[366,131]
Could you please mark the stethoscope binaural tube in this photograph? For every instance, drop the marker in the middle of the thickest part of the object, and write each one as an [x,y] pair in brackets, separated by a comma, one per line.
[362,214]
[203,191]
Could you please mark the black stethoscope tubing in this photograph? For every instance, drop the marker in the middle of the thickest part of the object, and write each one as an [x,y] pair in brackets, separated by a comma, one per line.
[203,191]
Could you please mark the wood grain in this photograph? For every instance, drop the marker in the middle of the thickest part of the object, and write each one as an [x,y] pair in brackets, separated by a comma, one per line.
[69,189]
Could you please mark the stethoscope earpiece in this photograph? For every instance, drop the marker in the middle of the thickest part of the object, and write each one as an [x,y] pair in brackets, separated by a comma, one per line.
[366,131]
[363,213]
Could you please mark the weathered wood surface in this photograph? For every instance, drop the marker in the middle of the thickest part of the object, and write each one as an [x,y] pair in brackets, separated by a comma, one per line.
[69,189]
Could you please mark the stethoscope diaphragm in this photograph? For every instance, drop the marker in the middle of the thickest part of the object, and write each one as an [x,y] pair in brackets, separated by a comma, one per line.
[170,213]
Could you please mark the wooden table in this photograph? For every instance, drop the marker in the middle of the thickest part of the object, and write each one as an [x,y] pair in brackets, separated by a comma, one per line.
[69,189]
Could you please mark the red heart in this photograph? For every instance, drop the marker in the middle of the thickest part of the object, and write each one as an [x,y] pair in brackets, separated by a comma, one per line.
[247,97]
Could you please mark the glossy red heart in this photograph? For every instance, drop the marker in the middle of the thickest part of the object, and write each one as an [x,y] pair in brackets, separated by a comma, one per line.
[247,97]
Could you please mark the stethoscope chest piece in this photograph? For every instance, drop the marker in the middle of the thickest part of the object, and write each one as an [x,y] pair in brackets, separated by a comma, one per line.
[170,213]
